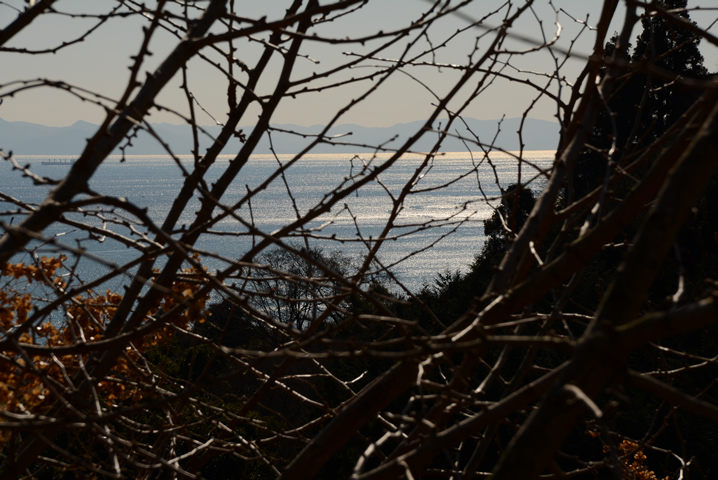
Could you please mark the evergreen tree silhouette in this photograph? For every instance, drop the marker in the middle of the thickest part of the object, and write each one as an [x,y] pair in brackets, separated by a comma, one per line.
[645,104]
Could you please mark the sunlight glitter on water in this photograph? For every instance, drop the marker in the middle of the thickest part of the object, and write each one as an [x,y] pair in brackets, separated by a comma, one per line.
[453,193]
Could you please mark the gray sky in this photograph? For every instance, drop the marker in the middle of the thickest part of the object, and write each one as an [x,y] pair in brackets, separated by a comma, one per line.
[100,64]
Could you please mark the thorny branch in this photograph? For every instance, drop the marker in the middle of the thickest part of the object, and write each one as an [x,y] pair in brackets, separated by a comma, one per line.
[294,359]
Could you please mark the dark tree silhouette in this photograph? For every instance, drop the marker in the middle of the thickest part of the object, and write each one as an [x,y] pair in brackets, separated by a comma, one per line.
[643,105]
[314,367]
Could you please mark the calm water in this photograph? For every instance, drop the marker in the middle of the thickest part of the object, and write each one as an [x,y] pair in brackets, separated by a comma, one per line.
[446,210]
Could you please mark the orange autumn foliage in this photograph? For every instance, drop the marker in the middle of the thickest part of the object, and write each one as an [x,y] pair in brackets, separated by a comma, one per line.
[636,468]
[30,384]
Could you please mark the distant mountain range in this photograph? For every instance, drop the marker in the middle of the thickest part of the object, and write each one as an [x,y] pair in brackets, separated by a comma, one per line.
[32,139]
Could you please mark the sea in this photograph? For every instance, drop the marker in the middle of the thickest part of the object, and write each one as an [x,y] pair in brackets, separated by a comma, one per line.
[438,228]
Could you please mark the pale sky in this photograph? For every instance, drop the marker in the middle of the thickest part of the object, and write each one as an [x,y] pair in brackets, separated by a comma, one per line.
[100,63]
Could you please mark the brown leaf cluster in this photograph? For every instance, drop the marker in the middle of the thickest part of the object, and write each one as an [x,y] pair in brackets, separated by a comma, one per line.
[30,384]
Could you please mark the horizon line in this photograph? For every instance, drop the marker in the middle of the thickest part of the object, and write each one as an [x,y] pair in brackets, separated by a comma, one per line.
[294,124]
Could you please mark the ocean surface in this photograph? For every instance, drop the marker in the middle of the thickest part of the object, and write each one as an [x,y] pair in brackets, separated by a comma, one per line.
[439,226]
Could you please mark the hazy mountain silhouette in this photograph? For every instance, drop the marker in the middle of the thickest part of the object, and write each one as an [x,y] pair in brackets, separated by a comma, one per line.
[32,139]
